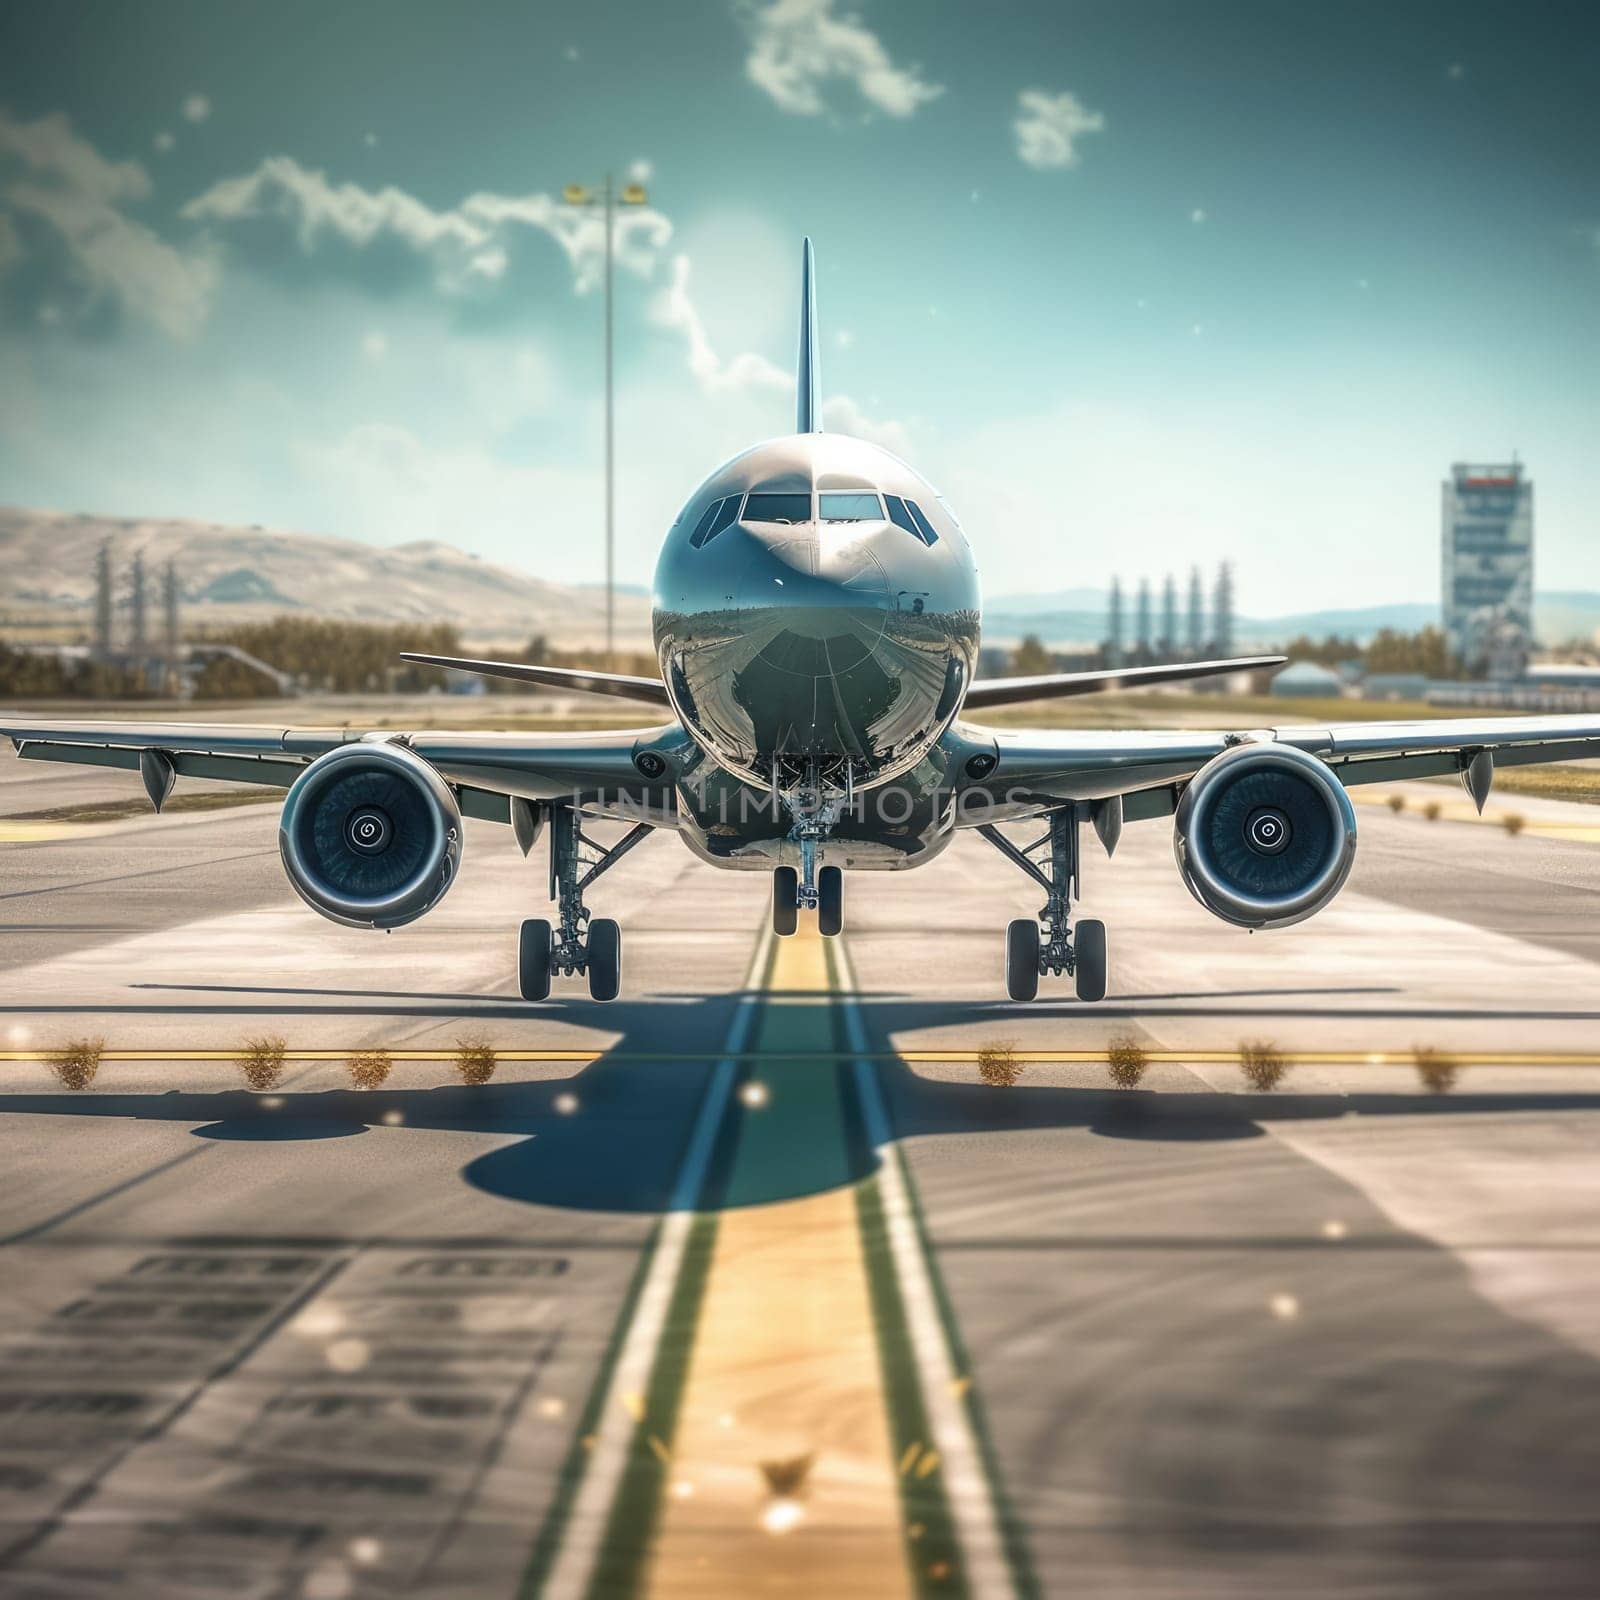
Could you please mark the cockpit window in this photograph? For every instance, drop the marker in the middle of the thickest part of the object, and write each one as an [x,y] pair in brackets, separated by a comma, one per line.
[849,508]
[907,514]
[924,527]
[898,514]
[702,529]
[777,508]
[726,512]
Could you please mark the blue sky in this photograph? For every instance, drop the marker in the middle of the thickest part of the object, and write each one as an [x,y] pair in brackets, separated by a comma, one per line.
[1137,284]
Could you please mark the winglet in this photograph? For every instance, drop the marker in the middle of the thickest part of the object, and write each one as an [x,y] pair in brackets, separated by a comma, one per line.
[808,413]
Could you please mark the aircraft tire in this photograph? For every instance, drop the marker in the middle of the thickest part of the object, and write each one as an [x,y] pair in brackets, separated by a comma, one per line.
[785,901]
[533,959]
[1089,947]
[605,959]
[830,901]
[1022,959]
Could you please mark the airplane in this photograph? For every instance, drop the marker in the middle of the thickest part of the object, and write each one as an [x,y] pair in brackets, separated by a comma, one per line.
[816,618]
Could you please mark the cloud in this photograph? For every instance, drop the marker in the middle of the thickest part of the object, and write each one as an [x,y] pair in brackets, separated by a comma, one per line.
[464,246]
[10,244]
[163,142]
[1046,126]
[196,108]
[750,374]
[798,47]
[70,203]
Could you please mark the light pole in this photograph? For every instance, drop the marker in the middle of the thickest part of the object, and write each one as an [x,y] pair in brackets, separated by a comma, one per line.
[608,198]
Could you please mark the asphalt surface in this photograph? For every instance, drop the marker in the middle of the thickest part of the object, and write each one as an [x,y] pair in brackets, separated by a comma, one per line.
[1338,1339]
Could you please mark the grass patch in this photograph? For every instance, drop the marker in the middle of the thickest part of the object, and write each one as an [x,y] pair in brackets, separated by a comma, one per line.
[1125,1060]
[1263,1065]
[1513,822]
[138,806]
[261,1061]
[998,1065]
[475,1059]
[1437,1070]
[369,1069]
[1431,810]
[1575,783]
[75,1063]
[1396,803]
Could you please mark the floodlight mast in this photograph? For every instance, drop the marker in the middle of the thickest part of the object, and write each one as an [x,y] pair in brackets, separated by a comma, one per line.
[632,194]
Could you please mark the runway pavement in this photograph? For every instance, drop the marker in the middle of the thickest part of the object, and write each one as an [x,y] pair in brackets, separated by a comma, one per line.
[578,1330]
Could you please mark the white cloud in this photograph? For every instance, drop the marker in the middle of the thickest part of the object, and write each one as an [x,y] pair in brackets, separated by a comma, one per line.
[466,243]
[753,375]
[747,372]
[196,108]
[163,142]
[799,47]
[375,345]
[1198,215]
[51,174]
[641,171]
[1047,126]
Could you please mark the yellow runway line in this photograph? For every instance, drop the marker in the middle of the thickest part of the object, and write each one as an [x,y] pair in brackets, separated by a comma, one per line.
[1203,1058]
[34,832]
[785,1368]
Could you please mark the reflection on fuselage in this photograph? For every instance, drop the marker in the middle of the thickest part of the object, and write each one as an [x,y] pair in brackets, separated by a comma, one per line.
[833,648]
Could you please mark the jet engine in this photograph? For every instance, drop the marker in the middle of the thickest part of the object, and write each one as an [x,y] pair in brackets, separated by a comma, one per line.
[370,835]
[1264,835]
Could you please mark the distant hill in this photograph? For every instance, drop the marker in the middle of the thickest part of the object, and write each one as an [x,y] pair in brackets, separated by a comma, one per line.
[236,574]
[1081,619]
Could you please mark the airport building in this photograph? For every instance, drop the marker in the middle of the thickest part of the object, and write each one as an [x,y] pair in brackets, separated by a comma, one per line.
[1487,561]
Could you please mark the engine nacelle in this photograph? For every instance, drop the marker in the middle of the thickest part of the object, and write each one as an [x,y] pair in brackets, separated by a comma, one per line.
[370,835]
[1265,835]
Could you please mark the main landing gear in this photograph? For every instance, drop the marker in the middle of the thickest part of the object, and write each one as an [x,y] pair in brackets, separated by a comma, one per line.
[576,943]
[1052,862]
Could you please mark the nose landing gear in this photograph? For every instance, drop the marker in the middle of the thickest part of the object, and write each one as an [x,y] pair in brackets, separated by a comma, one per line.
[826,897]
[577,943]
[1078,949]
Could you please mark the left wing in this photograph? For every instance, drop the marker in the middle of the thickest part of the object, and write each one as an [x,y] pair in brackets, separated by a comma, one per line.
[1033,768]
[486,769]
[1056,685]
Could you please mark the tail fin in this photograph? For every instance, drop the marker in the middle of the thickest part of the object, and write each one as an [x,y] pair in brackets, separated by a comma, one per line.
[808,409]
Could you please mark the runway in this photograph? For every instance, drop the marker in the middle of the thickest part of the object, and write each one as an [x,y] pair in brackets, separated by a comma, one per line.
[546,1334]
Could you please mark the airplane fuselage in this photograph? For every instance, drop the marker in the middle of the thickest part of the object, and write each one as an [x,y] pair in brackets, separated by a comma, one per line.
[816,619]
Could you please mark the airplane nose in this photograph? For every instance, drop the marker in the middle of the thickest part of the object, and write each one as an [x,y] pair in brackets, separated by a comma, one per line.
[820,604]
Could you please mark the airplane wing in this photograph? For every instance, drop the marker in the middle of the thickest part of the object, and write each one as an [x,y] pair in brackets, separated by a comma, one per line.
[1034,769]
[1054,685]
[621,685]
[486,769]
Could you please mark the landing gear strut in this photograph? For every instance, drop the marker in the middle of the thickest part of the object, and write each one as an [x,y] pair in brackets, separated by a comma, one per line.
[815,809]
[577,943]
[1052,862]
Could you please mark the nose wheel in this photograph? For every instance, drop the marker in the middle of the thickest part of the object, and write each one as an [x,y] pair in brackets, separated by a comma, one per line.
[789,894]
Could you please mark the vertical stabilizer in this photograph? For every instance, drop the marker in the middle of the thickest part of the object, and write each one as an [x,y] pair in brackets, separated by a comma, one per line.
[808,409]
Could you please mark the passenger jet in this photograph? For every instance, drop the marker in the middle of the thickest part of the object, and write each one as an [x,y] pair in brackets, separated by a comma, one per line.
[816,623]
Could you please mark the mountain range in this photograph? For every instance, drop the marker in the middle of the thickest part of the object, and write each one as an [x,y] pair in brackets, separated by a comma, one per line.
[245,574]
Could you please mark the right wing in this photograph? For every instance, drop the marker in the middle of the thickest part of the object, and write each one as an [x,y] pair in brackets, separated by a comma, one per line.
[486,769]
[622,685]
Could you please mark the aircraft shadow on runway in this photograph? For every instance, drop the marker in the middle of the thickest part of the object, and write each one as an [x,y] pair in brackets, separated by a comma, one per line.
[621,1149]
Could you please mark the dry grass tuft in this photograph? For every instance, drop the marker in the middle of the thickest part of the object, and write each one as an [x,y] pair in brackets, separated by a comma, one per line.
[1263,1063]
[261,1061]
[1432,810]
[1126,1060]
[475,1059]
[998,1065]
[369,1069]
[1437,1070]
[76,1062]
[1396,803]
[1513,822]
